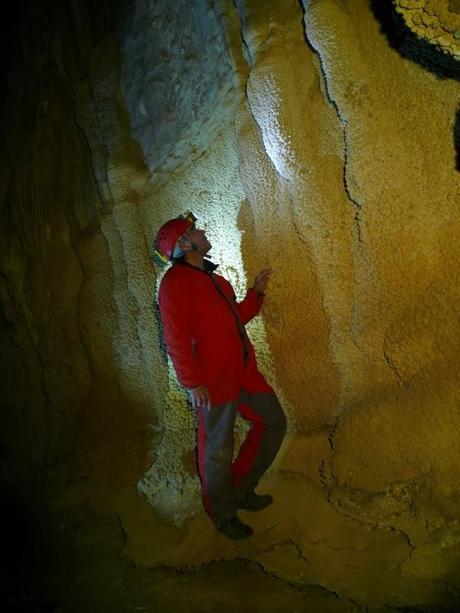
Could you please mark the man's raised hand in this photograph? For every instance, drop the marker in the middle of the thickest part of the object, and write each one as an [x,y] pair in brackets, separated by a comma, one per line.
[261,280]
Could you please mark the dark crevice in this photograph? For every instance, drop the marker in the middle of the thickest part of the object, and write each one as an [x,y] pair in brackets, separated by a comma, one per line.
[358,205]
[399,378]
[86,145]
[344,125]
[406,539]
[245,45]
[300,587]
[331,436]
[107,202]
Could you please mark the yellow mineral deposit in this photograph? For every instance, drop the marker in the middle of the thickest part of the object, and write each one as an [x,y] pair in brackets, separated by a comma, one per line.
[306,141]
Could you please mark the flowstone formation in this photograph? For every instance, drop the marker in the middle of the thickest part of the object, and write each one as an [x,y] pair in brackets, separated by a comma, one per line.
[436,21]
[303,140]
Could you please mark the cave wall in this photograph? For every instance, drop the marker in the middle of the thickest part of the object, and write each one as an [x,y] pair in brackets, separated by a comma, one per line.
[304,141]
[435,21]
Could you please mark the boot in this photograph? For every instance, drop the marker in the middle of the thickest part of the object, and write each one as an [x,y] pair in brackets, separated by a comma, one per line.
[254,502]
[234,528]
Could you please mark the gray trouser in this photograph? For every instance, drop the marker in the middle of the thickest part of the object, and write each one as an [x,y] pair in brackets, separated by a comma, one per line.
[224,482]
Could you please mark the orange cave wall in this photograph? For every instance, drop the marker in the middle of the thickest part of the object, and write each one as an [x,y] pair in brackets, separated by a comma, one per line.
[305,139]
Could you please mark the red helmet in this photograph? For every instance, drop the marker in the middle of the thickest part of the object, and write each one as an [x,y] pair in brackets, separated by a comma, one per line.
[169,234]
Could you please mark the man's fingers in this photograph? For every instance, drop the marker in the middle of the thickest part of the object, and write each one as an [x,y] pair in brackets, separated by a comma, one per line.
[200,396]
[262,279]
[207,401]
[205,404]
[264,276]
[265,272]
[202,400]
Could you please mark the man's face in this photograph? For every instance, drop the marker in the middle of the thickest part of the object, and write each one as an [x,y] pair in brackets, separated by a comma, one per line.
[195,240]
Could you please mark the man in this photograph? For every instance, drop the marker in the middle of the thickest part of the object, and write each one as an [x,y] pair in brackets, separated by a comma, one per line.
[204,332]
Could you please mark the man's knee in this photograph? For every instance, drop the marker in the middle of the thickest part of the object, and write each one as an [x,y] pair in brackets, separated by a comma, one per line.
[220,456]
[275,418]
[269,413]
[282,421]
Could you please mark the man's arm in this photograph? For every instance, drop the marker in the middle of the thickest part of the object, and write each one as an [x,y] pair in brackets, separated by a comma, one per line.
[175,316]
[250,306]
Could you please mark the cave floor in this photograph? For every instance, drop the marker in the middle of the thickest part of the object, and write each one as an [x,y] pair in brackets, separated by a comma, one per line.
[73,562]
[60,555]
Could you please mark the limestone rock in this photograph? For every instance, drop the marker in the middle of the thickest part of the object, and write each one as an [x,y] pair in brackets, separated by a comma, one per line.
[436,21]
[303,140]
[176,82]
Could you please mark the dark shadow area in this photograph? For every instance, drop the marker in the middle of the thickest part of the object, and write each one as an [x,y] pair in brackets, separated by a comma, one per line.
[27,556]
[410,46]
[457,139]
[85,572]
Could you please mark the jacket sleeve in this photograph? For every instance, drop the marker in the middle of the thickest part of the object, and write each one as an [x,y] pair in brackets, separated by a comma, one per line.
[250,306]
[176,319]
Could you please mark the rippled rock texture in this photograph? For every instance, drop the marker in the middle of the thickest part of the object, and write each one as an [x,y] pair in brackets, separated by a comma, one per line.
[436,21]
[303,139]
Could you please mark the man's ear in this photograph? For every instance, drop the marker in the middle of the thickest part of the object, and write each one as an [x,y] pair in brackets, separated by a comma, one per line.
[184,245]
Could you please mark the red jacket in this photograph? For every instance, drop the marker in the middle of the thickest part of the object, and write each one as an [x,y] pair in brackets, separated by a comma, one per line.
[204,332]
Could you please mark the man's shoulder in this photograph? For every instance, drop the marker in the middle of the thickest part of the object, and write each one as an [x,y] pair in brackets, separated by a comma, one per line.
[175,274]
[172,285]
[173,271]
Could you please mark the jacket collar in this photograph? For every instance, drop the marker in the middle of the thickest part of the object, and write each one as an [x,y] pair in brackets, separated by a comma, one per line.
[209,266]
